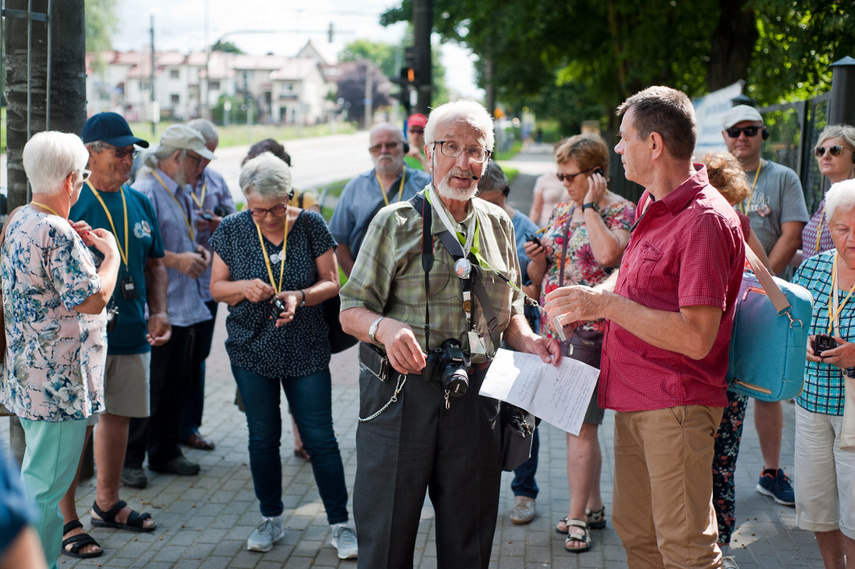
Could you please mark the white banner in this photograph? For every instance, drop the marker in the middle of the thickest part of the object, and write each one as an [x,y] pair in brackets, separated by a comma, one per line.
[709,111]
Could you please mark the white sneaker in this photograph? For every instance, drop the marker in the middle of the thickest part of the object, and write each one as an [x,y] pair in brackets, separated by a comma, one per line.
[344,540]
[728,561]
[268,532]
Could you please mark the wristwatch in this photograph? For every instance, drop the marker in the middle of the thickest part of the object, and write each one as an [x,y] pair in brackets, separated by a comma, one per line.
[303,303]
[594,205]
[372,330]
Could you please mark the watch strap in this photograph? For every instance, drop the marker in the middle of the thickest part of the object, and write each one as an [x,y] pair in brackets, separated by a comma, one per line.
[594,205]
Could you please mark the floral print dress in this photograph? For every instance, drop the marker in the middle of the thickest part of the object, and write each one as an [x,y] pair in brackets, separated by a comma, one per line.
[55,356]
[580,266]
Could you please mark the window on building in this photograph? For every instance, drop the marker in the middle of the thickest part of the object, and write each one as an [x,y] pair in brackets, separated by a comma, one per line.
[173,74]
[214,85]
[175,98]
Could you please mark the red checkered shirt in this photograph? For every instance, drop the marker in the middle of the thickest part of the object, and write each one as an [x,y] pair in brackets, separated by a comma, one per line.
[685,250]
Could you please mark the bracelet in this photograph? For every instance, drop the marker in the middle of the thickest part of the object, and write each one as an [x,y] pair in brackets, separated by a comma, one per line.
[304,298]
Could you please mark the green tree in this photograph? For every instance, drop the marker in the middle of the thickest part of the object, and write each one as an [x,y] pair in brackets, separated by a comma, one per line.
[380,54]
[226,46]
[101,23]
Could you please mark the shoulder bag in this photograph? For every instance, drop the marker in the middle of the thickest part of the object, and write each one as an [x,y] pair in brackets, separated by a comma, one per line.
[769,339]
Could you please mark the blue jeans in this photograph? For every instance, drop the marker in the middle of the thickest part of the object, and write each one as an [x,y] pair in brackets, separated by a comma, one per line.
[310,399]
[524,483]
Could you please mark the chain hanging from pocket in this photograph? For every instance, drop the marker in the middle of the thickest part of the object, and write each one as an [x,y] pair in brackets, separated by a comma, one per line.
[399,385]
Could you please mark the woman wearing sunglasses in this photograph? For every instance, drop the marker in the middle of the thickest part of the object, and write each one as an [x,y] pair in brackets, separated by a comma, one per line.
[836,161]
[582,242]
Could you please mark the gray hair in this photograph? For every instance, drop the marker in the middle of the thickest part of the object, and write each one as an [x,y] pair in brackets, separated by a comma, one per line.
[206,128]
[494,180]
[49,157]
[844,131]
[388,127]
[153,156]
[470,112]
[266,176]
[841,196]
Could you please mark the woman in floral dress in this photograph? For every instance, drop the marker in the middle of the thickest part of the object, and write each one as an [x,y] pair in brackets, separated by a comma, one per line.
[581,244]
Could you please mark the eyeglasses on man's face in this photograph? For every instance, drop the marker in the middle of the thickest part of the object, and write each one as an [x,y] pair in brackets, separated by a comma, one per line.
[735,131]
[122,153]
[833,150]
[390,146]
[260,212]
[452,149]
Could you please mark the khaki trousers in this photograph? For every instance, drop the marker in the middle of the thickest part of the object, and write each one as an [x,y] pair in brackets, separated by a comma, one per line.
[663,508]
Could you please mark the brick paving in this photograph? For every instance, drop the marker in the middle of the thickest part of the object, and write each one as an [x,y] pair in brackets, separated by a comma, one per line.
[203,521]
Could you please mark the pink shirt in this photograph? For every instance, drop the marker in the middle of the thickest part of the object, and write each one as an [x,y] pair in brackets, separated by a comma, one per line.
[686,250]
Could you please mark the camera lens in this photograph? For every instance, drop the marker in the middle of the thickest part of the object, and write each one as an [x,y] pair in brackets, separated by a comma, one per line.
[455,380]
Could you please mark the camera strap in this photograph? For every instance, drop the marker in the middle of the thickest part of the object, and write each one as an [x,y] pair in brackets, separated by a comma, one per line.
[450,243]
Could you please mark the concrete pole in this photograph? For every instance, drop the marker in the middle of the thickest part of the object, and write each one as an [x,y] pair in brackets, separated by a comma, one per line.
[842,107]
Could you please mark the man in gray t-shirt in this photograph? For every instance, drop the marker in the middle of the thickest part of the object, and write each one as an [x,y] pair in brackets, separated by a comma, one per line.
[777,210]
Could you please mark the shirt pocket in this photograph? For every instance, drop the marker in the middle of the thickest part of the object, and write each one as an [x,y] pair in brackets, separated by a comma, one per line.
[648,267]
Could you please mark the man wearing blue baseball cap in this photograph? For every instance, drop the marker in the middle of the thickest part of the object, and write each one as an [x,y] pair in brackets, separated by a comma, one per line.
[108,202]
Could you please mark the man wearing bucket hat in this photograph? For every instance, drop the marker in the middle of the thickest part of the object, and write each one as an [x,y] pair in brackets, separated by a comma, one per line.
[776,208]
[108,202]
[171,166]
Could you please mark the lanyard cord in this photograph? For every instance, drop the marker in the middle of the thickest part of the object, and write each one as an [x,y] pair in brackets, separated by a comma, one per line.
[181,207]
[267,258]
[97,194]
[200,201]
[819,229]
[751,195]
[383,190]
[832,319]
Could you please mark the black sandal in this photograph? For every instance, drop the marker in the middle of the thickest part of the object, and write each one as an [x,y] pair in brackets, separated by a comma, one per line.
[78,542]
[108,518]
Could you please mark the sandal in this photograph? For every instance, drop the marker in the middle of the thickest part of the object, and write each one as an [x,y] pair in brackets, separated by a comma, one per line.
[108,518]
[78,542]
[596,520]
[580,535]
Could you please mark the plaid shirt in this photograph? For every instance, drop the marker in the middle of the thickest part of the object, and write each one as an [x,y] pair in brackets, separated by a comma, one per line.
[388,277]
[823,391]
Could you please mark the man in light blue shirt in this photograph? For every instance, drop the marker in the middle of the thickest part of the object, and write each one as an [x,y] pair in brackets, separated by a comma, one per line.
[172,165]
[388,182]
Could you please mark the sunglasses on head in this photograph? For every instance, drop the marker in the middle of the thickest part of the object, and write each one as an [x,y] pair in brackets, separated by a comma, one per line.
[833,150]
[734,132]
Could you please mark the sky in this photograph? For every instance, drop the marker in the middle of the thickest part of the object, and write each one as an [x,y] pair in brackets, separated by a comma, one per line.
[278,26]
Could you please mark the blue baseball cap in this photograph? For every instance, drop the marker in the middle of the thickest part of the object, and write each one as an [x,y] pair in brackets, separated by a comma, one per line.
[111,128]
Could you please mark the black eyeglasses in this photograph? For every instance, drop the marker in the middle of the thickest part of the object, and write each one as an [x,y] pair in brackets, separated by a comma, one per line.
[734,132]
[453,149]
[391,146]
[833,150]
[260,212]
[570,177]
[121,153]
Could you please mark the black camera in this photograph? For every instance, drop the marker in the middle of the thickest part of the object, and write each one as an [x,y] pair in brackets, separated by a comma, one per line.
[449,363]
[823,342]
[532,238]
[221,211]
[277,307]
[206,215]
[112,316]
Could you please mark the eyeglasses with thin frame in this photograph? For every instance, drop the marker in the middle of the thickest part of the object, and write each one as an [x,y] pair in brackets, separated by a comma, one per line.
[833,150]
[735,131]
[197,159]
[260,212]
[391,146]
[570,177]
[122,152]
[452,149]
[84,174]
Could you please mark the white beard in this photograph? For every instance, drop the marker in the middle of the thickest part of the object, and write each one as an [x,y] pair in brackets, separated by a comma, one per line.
[444,189]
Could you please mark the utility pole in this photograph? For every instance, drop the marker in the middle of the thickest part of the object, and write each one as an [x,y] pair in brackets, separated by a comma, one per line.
[422,26]
[369,90]
[151,82]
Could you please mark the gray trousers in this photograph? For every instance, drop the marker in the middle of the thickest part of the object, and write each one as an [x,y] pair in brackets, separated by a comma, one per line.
[417,445]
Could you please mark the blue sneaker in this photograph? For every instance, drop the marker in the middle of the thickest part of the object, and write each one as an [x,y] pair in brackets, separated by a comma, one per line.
[777,487]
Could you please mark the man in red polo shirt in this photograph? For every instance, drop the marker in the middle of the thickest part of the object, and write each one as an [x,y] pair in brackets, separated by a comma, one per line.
[670,311]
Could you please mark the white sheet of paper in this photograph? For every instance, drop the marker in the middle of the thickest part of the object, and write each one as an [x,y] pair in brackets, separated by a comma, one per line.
[558,395]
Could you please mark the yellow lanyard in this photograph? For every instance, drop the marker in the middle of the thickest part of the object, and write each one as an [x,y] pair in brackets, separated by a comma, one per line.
[50,209]
[267,258]
[200,201]
[831,318]
[181,207]
[819,229]
[751,195]
[400,188]
[124,253]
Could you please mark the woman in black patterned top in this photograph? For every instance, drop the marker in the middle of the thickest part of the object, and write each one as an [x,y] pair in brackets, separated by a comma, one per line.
[273,265]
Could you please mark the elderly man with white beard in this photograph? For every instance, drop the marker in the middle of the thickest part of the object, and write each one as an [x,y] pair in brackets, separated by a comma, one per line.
[434,290]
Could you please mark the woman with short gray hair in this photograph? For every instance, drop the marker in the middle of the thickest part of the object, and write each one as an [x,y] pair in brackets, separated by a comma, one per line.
[274,265]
